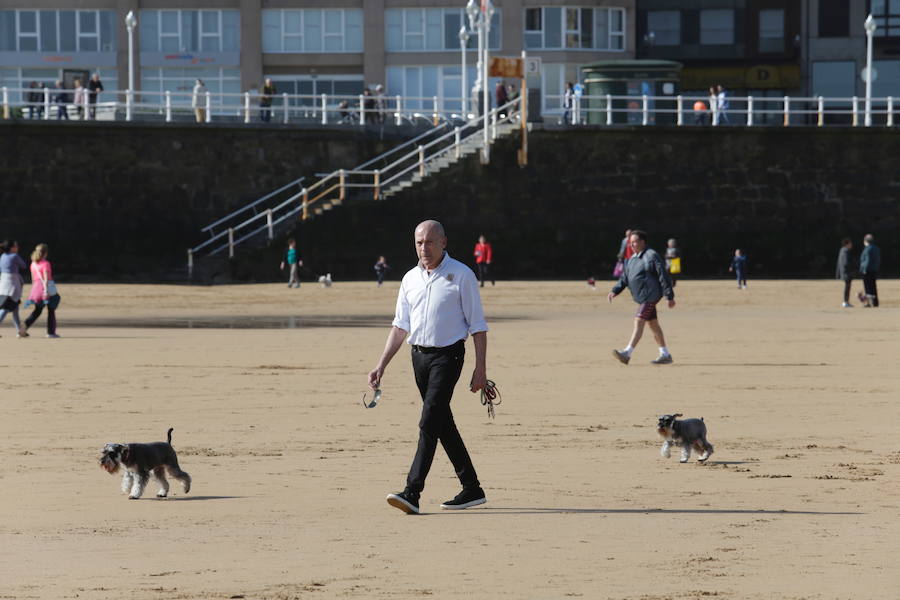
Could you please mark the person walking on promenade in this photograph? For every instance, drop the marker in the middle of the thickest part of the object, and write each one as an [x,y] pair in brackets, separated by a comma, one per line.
[673,260]
[722,104]
[739,268]
[501,98]
[198,101]
[292,260]
[568,103]
[43,290]
[381,269]
[11,283]
[61,99]
[265,101]
[95,87]
[78,100]
[438,307]
[647,278]
[484,256]
[869,265]
[845,269]
[35,99]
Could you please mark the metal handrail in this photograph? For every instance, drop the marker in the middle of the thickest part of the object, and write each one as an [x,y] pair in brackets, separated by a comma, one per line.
[339,180]
[252,204]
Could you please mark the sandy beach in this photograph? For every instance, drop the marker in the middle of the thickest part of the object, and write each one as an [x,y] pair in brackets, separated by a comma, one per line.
[263,386]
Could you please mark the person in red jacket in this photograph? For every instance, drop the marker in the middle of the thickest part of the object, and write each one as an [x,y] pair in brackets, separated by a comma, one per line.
[484,254]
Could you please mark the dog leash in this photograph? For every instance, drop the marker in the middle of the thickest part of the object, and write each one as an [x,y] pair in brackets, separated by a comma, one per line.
[490,397]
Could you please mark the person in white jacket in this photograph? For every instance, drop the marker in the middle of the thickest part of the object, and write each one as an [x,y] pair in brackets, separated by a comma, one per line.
[198,102]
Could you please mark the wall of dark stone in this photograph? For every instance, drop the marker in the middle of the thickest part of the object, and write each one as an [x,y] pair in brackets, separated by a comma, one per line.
[785,196]
[119,201]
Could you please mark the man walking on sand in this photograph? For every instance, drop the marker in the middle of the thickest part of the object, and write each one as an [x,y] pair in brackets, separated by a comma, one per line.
[438,307]
[646,276]
[869,265]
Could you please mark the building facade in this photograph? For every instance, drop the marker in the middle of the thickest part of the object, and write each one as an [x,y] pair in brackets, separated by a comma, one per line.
[412,47]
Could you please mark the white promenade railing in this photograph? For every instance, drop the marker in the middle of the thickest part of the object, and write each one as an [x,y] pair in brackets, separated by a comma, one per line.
[750,111]
[334,187]
[325,109]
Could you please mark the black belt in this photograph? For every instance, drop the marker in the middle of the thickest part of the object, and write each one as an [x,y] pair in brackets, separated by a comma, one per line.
[438,349]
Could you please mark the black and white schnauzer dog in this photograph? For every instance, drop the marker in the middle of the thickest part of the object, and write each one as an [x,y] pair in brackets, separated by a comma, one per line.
[687,434]
[140,460]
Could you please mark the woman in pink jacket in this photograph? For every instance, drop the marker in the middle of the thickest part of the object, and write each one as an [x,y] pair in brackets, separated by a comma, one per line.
[43,290]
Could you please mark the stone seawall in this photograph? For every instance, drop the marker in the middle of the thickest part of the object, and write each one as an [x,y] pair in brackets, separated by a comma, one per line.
[116,201]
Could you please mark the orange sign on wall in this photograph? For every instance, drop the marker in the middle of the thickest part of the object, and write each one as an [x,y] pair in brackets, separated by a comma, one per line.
[512,68]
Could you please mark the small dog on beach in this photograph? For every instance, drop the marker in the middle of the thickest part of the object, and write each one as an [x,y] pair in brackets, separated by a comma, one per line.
[142,460]
[325,280]
[687,433]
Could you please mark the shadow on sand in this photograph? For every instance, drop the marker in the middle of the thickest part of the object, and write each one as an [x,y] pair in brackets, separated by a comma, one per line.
[190,498]
[634,511]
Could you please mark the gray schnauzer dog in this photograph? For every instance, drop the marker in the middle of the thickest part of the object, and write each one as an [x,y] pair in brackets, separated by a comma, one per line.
[140,460]
[687,434]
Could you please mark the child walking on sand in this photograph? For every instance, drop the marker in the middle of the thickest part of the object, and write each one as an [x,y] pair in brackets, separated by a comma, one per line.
[381,268]
[739,268]
[292,259]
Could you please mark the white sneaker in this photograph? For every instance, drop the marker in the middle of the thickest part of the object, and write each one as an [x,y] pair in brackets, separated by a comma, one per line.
[846,305]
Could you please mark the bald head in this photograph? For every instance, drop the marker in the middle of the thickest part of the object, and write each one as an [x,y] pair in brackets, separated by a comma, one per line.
[430,243]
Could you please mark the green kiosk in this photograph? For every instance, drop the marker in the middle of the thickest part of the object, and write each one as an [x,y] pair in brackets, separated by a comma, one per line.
[635,79]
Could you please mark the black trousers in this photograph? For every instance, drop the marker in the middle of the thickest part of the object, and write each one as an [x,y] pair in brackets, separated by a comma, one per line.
[869,281]
[51,317]
[847,282]
[436,375]
[484,273]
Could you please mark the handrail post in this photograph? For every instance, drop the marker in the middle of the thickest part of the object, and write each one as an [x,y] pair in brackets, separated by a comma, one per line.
[168,106]
[855,111]
[787,111]
[890,111]
[208,107]
[821,112]
[422,161]
[362,111]
[305,204]
[749,111]
[398,118]
[190,263]
[679,107]
[246,107]
[324,112]
[377,192]
[284,98]
[645,110]
[269,224]
[128,101]
[46,104]
[609,119]
[230,242]
[85,104]
[494,116]
[5,102]
[577,119]
[435,118]
[456,142]
[343,188]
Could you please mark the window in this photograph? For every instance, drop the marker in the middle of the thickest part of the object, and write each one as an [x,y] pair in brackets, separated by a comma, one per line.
[834,79]
[57,31]
[432,29]
[313,86]
[558,28]
[18,79]
[665,25]
[553,87]
[887,17]
[834,18]
[419,85]
[771,30]
[312,30]
[717,27]
[155,81]
[190,31]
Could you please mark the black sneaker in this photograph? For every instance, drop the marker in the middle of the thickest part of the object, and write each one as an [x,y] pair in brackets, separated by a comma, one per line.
[465,499]
[406,501]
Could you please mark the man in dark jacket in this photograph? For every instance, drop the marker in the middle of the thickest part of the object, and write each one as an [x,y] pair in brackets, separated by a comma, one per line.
[869,265]
[646,276]
[845,269]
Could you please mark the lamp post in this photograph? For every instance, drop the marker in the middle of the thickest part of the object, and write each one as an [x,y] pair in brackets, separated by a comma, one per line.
[463,42]
[870,31]
[480,22]
[130,23]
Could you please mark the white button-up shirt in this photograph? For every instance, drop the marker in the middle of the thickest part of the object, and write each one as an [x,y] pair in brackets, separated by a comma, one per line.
[439,308]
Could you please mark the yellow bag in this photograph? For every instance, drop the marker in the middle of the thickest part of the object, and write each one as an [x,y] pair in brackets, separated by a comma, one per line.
[675,265]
